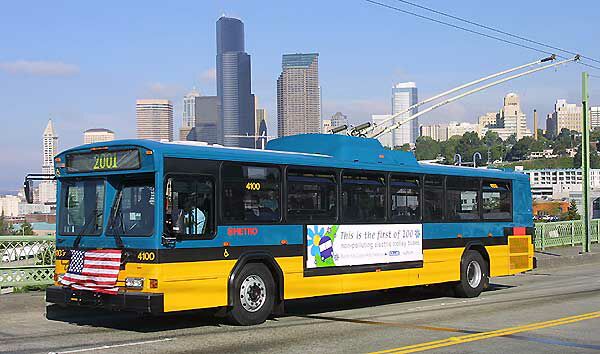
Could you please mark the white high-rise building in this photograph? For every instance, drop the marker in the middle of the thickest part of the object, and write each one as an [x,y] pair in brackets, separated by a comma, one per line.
[154,119]
[50,148]
[404,95]
[189,108]
[509,121]
[47,189]
[565,116]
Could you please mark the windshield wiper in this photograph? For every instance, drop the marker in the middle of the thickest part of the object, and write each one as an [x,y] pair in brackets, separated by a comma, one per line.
[95,214]
[116,209]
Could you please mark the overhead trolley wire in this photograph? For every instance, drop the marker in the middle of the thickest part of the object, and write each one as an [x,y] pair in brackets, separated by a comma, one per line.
[478,32]
[494,29]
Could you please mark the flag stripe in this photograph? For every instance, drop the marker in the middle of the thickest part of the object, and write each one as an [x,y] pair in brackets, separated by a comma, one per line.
[93,270]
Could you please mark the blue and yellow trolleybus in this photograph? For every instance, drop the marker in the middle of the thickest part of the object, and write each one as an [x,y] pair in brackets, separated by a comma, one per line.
[206,226]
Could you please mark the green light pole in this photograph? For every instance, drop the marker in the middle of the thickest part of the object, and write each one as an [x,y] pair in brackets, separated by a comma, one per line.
[585,163]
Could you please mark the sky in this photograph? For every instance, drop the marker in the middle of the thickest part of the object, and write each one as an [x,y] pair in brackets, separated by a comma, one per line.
[85,63]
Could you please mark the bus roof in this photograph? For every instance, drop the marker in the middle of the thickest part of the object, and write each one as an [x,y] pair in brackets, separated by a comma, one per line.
[319,150]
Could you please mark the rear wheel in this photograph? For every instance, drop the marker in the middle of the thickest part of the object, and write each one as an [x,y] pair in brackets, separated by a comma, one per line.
[473,275]
[253,295]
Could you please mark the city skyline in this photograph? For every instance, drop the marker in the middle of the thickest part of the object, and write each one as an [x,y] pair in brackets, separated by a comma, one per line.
[352,85]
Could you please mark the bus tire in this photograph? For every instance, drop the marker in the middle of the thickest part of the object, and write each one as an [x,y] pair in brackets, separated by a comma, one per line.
[253,295]
[473,275]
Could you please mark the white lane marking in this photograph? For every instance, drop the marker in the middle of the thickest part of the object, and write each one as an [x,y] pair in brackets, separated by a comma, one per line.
[114,346]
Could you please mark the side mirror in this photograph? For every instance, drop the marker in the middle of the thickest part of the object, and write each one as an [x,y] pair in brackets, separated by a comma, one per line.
[28,191]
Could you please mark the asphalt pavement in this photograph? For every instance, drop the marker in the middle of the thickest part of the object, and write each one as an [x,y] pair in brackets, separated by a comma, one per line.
[553,310]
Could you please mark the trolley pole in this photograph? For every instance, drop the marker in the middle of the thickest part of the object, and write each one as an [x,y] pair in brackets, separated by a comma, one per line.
[585,163]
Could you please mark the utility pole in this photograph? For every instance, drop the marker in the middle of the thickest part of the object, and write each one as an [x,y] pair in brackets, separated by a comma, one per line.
[585,163]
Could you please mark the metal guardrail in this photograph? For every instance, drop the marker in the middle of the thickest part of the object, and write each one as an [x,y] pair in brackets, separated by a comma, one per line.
[29,260]
[563,233]
[26,260]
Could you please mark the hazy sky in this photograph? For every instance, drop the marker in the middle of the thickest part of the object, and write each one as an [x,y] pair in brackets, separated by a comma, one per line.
[84,63]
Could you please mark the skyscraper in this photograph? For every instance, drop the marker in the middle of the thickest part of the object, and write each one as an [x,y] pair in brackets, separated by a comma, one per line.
[565,116]
[509,121]
[47,189]
[404,95]
[595,117]
[207,119]
[233,84]
[50,148]
[189,115]
[154,119]
[98,135]
[298,98]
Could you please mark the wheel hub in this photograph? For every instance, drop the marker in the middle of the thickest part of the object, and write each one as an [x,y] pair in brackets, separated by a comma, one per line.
[474,274]
[253,293]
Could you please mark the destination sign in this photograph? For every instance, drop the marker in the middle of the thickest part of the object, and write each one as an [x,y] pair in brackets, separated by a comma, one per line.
[104,161]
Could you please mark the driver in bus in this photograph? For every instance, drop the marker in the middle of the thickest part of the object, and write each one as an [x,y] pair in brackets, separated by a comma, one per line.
[194,217]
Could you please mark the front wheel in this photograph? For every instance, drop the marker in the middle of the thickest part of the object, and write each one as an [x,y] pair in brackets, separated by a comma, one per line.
[253,295]
[473,275]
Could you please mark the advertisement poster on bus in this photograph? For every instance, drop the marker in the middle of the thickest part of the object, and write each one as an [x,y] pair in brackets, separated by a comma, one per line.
[349,245]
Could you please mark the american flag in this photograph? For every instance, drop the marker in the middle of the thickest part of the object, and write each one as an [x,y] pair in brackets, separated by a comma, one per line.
[94,270]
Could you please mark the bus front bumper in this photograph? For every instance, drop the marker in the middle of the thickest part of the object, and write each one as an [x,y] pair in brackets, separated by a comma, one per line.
[129,301]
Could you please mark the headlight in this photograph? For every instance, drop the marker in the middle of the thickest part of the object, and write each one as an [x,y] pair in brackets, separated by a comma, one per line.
[134,283]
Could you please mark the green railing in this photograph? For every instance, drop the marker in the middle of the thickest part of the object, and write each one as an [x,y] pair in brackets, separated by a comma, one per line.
[26,260]
[563,233]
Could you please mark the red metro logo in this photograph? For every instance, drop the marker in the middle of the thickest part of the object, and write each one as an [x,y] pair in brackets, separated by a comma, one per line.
[242,231]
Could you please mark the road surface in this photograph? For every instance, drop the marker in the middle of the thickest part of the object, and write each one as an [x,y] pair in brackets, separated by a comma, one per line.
[544,311]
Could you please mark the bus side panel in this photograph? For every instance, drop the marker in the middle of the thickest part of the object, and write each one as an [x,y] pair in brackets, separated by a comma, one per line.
[193,285]
[499,260]
[298,286]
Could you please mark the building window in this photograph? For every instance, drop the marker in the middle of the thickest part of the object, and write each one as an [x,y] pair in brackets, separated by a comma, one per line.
[363,197]
[250,193]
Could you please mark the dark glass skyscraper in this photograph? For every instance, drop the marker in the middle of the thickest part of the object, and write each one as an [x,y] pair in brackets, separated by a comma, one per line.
[233,85]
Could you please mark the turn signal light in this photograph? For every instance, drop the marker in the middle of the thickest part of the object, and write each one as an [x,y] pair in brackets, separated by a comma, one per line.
[153,283]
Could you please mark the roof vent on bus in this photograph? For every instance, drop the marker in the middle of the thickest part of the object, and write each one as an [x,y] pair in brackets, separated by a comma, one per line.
[342,147]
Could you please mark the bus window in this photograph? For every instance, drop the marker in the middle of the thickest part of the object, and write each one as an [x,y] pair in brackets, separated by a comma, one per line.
[363,197]
[311,196]
[250,194]
[433,198]
[81,207]
[462,198]
[190,206]
[496,200]
[135,215]
[404,192]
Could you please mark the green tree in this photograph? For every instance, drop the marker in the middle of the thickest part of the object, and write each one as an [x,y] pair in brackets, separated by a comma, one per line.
[594,158]
[572,213]
[26,229]
[426,148]
[5,227]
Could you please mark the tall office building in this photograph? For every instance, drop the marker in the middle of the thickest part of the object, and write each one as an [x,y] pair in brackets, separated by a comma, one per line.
[206,122]
[154,119]
[98,135]
[49,148]
[565,116]
[298,97]
[189,114]
[510,120]
[404,95]
[233,85]
[595,117]
[338,119]
[47,189]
